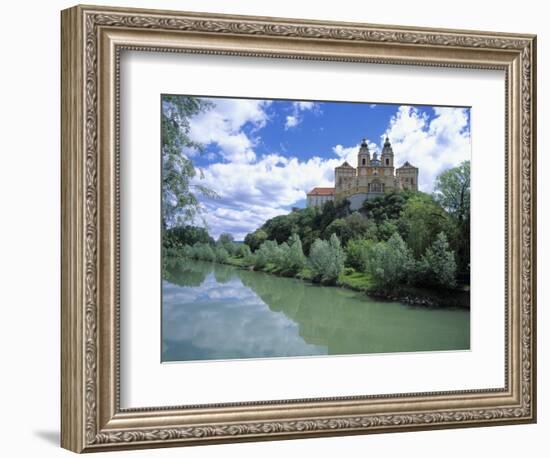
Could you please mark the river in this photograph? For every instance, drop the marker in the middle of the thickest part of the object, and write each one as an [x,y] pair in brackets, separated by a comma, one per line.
[216,312]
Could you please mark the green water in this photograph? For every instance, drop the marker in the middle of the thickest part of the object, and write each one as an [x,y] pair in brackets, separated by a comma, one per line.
[212,311]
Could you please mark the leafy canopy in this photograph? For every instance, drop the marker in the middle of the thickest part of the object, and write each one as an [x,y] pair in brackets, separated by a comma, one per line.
[179,195]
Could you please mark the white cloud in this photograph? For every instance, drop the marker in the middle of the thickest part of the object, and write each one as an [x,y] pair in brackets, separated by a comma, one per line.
[251,193]
[296,117]
[349,153]
[291,121]
[304,105]
[222,125]
[431,144]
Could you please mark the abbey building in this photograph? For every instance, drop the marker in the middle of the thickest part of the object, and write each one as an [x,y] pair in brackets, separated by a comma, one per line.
[372,177]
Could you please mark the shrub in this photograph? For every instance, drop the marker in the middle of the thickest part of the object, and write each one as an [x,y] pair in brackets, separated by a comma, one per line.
[292,259]
[327,259]
[386,229]
[390,263]
[221,254]
[349,271]
[249,259]
[185,235]
[438,266]
[260,259]
[354,226]
[255,239]
[187,251]
[268,252]
[203,252]
[357,254]
[242,250]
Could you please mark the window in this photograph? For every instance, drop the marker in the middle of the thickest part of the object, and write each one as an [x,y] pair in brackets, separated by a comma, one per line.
[376,187]
[387,161]
[363,161]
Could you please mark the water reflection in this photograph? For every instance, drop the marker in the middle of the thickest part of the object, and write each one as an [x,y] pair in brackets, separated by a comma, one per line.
[214,311]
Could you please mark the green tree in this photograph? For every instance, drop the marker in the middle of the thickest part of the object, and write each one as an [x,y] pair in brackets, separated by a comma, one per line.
[354,226]
[221,254]
[390,263]
[260,258]
[185,235]
[225,238]
[293,259]
[255,239]
[387,206]
[452,191]
[281,227]
[357,254]
[203,252]
[438,266]
[386,229]
[327,259]
[423,218]
[179,195]
[243,250]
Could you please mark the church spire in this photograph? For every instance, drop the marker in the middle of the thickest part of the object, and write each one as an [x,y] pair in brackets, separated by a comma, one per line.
[363,156]
[387,153]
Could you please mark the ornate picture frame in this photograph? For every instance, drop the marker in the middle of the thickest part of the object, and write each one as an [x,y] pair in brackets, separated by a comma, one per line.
[92,41]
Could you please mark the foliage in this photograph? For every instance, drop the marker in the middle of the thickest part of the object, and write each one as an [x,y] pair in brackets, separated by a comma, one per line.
[386,229]
[203,252]
[387,206]
[226,241]
[221,254]
[422,219]
[333,210]
[390,263]
[309,223]
[292,259]
[261,258]
[255,239]
[438,267]
[185,235]
[243,251]
[269,252]
[355,280]
[452,192]
[357,254]
[179,201]
[327,260]
[351,227]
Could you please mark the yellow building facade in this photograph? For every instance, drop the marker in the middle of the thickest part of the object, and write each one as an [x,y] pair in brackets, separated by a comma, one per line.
[373,176]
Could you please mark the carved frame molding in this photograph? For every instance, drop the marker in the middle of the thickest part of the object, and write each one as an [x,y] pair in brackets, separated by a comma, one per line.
[92,39]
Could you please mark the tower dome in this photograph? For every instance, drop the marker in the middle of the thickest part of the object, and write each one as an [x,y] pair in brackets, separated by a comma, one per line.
[363,156]
[387,154]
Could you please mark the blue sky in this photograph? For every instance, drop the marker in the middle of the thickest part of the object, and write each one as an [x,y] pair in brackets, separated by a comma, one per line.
[316,129]
[262,156]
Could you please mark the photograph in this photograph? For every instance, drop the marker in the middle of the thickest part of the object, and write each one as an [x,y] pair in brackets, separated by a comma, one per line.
[268,230]
[302,228]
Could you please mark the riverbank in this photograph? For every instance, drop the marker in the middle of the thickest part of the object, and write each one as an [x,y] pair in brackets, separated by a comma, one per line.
[359,281]
[220,311]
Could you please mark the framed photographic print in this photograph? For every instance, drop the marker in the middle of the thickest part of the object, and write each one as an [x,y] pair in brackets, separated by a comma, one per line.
[278,228]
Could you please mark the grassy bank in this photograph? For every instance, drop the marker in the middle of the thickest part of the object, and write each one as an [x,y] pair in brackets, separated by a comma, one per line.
[361,282]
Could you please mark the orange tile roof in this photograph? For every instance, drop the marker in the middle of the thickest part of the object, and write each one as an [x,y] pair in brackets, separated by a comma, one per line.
[321,192]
